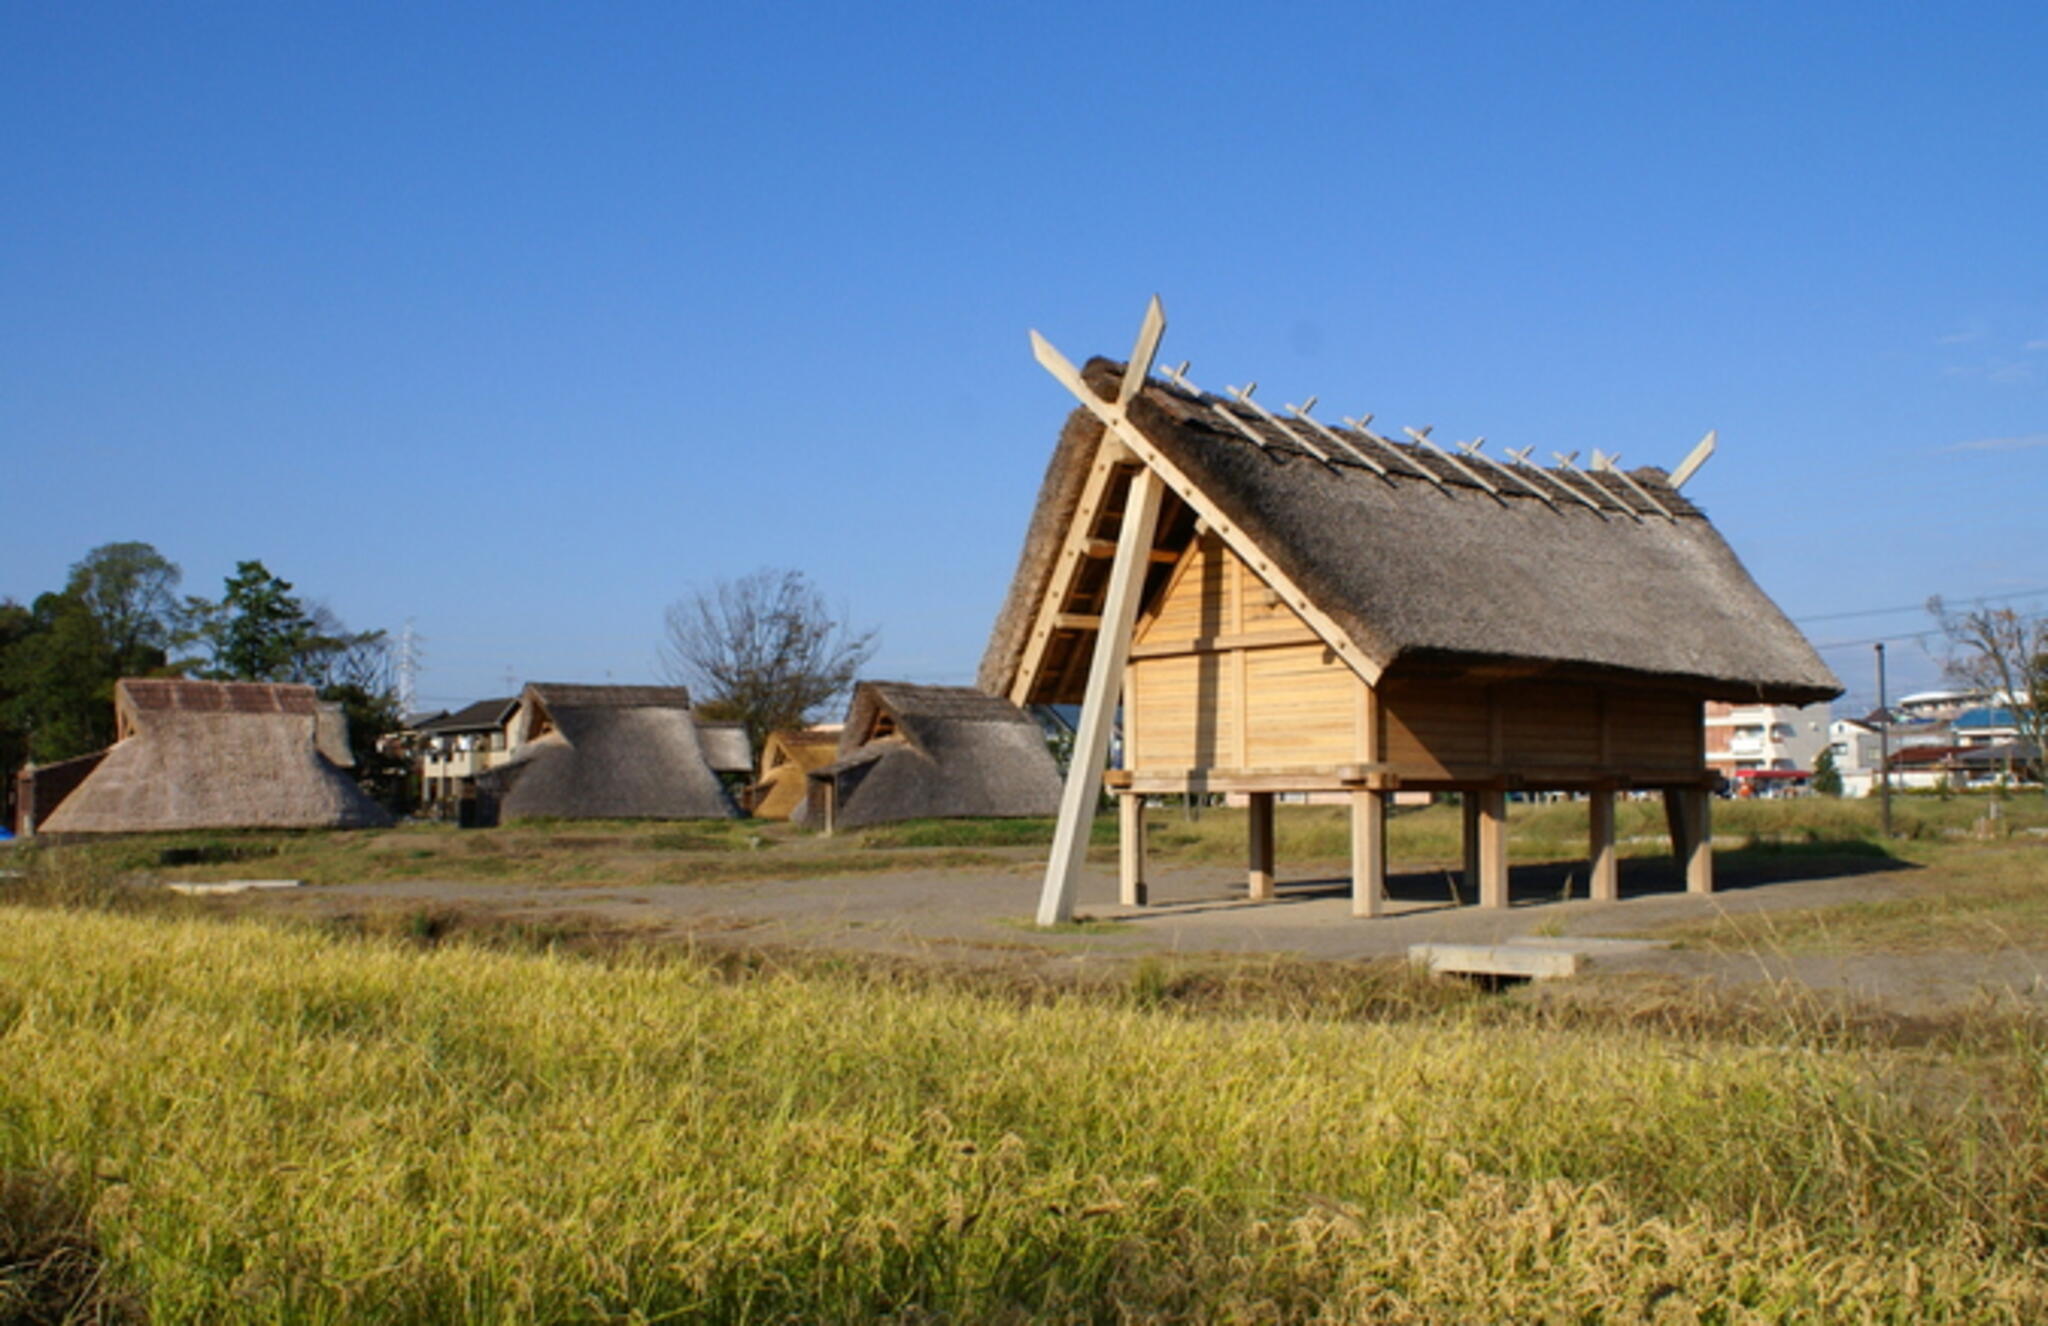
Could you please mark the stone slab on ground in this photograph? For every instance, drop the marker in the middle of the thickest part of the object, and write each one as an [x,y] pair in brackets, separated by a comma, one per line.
[1534,957]
[233,886]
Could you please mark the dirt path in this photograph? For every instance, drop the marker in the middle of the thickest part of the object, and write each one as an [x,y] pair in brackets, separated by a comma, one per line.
[982,917]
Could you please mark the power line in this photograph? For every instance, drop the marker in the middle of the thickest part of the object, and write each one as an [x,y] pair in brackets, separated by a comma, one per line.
[1921,607]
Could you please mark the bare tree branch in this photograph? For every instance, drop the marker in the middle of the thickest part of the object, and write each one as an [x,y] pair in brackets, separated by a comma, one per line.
[2004,652]
[763,650]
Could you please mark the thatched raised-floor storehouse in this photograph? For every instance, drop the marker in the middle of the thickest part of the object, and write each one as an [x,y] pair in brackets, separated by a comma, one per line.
[218,755]
[1303,608]
[787,758]
[604,752]
[931,752]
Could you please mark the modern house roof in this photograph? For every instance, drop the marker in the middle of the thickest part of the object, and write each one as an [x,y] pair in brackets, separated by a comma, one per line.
[483,716]
[1408,560]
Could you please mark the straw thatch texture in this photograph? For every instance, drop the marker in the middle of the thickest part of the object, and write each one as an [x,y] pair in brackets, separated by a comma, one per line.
[215,755]
[725,747]
[950,752]
[1416,576]
[787,758]
[606,752]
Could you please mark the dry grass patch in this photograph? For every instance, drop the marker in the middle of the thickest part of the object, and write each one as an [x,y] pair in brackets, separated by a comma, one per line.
[339,1129]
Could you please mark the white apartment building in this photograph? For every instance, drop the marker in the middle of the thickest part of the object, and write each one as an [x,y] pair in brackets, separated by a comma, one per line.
[1752,742]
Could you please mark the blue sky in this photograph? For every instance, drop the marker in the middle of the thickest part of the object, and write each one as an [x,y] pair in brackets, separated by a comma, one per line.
[521,321]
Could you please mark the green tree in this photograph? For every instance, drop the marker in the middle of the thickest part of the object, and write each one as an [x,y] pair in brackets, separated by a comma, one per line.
[130,591]
[1827,779]
[258,631]
[59,680]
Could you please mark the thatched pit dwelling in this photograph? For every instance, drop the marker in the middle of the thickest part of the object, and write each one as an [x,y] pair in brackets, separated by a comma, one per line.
[931,752]
[1326,612]
[604,752]
[787,758]
[219,755]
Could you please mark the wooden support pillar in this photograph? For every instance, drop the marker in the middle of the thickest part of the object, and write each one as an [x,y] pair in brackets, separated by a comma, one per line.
[1604,868]
[1368,853]
[1493,848]
[1699,854]
[1468,801]
[1689,812]
[1131,889]
[1259,834]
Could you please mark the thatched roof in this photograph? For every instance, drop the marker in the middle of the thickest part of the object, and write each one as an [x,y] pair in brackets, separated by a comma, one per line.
[606,752]
[786,757]
[216,755]
[937,752]
[725,746]
[1423,567]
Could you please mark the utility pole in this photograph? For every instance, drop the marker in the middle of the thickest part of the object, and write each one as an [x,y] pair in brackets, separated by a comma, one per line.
[1884,743]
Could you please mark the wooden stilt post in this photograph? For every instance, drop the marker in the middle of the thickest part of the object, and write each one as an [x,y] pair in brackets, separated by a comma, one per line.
[1259,835]
[1699,854]
[1493,848]
[1113,634]
[1131,889]
[1605,869]
[1368,852]
[1468,801]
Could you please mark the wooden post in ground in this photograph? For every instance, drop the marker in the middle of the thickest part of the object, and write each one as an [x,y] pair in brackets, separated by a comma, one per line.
[1699,854]
[1493,848]
[1468,802]
[1131,889]
[1687,811]
[1368,852]
[1604,868]
[1259,835]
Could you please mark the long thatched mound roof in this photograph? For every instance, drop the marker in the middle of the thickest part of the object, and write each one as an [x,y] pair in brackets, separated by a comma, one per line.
[1416,564]
[787,756]
[937,752]
[606,752]
[217,755]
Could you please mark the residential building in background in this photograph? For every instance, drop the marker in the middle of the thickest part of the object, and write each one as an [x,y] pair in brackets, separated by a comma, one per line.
[1763,748]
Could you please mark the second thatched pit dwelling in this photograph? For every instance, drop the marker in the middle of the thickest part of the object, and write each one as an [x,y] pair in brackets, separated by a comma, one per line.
[1287,606]
[606,752]
[931,752]
[218,755]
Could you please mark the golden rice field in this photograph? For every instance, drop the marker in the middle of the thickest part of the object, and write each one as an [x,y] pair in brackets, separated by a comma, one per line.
[251,1122]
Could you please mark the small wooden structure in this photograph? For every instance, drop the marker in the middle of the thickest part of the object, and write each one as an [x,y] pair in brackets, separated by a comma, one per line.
[931,752]
[1286,606]
[787,758]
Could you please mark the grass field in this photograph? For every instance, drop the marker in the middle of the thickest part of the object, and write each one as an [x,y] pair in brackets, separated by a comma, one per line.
[209,1119]
[255,1123]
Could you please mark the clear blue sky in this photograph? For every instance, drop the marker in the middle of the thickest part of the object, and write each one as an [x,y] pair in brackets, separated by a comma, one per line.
[520,321]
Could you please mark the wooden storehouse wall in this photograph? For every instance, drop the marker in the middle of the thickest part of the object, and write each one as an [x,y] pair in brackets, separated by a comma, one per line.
[1225,676]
